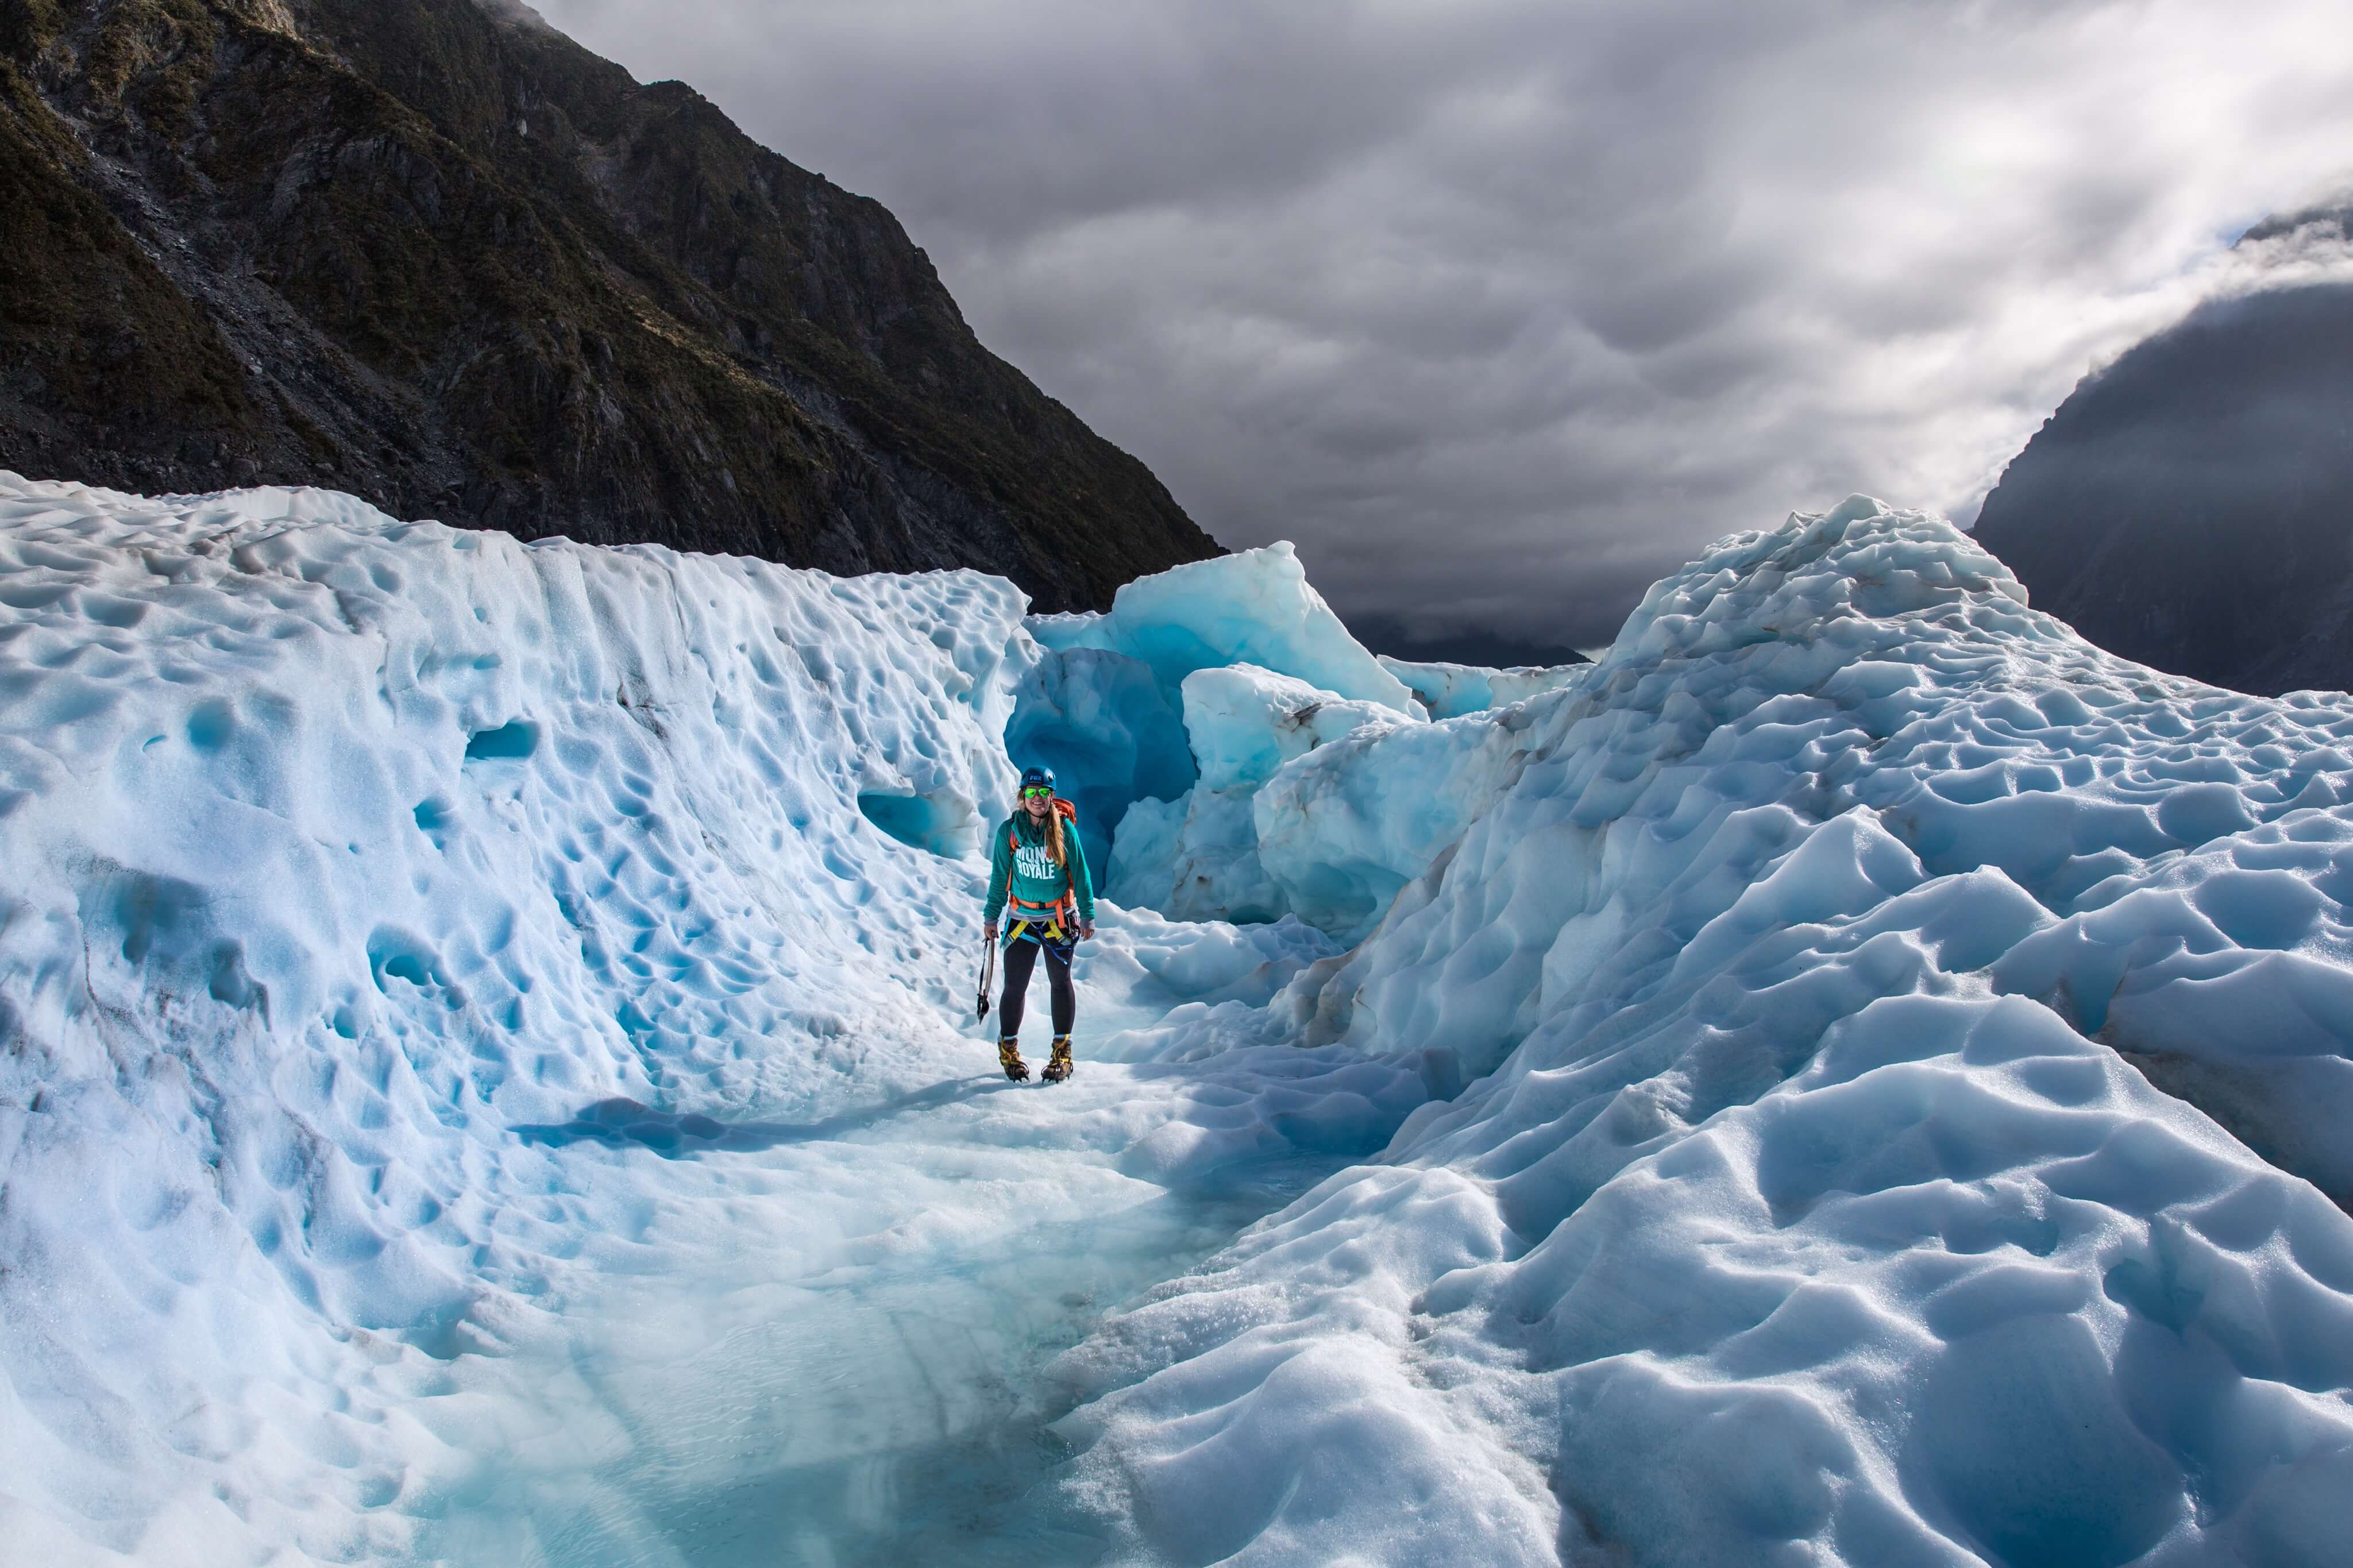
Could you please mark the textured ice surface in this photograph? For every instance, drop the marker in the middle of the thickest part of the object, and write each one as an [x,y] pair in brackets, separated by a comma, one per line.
[1108,709]
[1252,607]
[1250,669]
[1285,821]
[1195,857]
[1857,1075]
[1792,1221]
[1342,830]
[1113,737]
[454,991]
[1244,722]
[1451,690]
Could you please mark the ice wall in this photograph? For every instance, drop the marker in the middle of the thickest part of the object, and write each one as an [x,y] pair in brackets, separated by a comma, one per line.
[413,942]
[1102,723]
[1883,1057]
[1797,1218]
[337,847]
[1196,857]
[1219,670]
[1260,674]
[1252,607]
[1287,820]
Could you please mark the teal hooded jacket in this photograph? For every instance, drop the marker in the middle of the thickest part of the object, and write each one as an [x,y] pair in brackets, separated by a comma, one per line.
[1020,866]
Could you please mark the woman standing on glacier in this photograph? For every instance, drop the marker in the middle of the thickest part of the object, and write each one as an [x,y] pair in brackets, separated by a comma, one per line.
[1040,870]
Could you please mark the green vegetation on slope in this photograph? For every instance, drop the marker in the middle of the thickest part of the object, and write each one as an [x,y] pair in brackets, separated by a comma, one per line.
[442,257]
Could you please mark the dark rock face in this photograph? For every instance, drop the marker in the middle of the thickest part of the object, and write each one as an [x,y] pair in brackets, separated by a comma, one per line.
[433,252]
[2191,507]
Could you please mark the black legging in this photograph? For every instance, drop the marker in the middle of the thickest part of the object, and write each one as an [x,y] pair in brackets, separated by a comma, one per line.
[1021,958]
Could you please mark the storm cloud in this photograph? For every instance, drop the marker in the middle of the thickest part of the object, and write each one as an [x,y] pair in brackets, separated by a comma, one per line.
[1499,308]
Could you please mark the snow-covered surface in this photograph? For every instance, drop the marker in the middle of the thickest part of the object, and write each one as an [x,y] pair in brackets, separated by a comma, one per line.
[490,1072]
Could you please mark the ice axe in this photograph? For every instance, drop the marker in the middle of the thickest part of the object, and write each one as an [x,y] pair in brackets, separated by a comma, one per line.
[987,970]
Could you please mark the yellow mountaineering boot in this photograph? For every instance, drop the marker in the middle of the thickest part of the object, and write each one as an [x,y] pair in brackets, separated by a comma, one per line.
[1008,1057]
[1058,1066]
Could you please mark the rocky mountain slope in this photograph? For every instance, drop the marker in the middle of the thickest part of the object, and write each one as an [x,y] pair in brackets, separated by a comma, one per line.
[2191,506]
[433,252]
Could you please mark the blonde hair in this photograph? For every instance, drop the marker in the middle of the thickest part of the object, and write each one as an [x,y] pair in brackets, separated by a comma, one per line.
[1053,832]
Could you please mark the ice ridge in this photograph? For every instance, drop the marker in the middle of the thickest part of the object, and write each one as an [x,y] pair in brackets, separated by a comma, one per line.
[427,960]
[1856,1075]
[1790,1213]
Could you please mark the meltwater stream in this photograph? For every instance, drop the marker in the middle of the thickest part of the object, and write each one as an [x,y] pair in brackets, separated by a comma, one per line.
[797,1395]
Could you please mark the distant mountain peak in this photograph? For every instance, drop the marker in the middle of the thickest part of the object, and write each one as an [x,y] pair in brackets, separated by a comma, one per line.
[434,252]
[2189,505]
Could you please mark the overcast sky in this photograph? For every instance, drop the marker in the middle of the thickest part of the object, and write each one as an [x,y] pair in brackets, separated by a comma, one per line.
[1501,308]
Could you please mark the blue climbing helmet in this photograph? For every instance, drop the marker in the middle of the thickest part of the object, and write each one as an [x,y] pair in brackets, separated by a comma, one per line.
[1037,778]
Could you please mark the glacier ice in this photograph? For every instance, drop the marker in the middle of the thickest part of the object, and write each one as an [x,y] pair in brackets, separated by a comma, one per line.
[1196,857]
[1342,840]
[1224,666]
[1100,721]
[1854,1075]
[1264,674]
[452,987]
[1243,722]
[1252,607]
[1786,1216]
[1449,690]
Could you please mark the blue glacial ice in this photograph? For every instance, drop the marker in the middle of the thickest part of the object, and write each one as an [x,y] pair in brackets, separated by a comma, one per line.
[1108,707]
[1449,690]
[1857,1075]
[400,1125]
[1100,720]
[1256,607]
[1847,1168]
[1196,857]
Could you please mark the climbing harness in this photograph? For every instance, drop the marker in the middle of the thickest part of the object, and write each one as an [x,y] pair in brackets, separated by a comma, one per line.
[1064,910]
